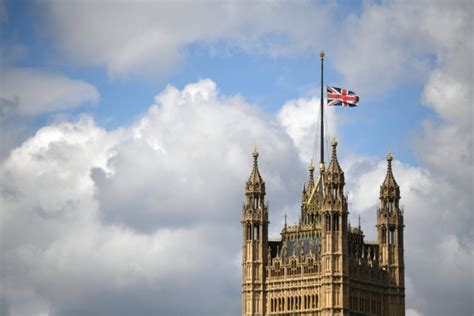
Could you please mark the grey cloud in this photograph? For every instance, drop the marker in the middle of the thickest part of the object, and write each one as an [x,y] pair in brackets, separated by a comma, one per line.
[25,87]
[150,38]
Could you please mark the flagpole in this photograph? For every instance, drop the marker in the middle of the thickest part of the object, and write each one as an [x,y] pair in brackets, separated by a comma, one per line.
[321,160]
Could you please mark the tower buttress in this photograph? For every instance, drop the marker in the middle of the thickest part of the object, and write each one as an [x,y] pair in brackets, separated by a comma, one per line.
[254,243]
[390,238]
[335,268]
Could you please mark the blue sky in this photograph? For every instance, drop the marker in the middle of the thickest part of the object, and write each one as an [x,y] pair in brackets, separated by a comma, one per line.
[383,122]
[131,125]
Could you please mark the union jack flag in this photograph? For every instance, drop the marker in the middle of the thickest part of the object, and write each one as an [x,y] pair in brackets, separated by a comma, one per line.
[344,97]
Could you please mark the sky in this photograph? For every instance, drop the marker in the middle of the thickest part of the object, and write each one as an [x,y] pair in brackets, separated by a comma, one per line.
[126,132]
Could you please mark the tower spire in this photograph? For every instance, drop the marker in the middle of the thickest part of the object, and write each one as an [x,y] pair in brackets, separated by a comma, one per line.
[334,163]
[255,242]
[255,178]
[390,189]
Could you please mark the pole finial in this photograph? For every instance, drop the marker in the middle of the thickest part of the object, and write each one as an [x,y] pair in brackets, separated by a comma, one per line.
[321,54]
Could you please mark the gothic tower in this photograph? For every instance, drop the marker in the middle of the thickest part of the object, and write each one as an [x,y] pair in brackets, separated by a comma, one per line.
[390,238]
[335,289]
[254,243]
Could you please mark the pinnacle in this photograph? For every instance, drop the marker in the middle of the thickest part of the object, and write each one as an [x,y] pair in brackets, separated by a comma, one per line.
[255,152]
[334,164]
[389,180]
[255,177]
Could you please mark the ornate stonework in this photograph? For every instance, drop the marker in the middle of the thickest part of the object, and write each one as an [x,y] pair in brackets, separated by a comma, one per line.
[322,266]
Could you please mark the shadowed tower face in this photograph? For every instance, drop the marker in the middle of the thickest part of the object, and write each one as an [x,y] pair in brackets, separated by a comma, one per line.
[322,265]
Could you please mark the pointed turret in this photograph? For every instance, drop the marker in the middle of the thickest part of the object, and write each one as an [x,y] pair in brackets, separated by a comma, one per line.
[390,237]
[334,246]
[389,190]
[255,183]
[254,243]
[334,166]
[334,176]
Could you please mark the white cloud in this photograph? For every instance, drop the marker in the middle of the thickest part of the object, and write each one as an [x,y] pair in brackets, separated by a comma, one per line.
[125,187]
[150,38]
[30,91]
[300,117]
[133,216]
[410,39]
[102,210]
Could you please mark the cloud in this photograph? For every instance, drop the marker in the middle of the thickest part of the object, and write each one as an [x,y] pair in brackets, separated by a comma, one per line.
[299,117]
[134,216]
[24,92]
[410,40]
[103,208]
[151,38]
[436,194]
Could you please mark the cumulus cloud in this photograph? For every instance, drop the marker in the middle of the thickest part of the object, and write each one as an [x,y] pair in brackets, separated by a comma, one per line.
[102,209]
[26,93]
[299,118]
[150,38]
[132,217]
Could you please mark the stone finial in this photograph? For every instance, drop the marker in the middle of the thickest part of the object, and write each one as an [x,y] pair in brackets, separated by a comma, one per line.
[255,152]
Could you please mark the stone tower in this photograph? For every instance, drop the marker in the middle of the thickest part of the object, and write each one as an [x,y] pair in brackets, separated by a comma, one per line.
[390,238]
[255,243]
[322,266]
[334,241]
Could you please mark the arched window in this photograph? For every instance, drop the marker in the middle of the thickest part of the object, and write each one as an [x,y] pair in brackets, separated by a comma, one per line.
[256,229]
[390,206]
[391,240]
[335,222]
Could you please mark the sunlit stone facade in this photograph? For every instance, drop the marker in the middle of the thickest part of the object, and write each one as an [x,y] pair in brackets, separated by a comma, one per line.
[323,265]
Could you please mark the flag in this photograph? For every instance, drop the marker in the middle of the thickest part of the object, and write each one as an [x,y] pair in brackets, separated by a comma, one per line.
[344,97]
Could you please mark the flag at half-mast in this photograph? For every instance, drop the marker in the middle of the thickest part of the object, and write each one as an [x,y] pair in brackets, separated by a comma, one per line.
[341,97]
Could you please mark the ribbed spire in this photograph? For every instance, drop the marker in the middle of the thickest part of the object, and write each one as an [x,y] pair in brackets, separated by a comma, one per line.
[390,186]
[255,182]
[334,166]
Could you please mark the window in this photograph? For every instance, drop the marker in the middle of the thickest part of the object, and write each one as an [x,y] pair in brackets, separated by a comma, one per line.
[336,222]
[391,240]
[256,230]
